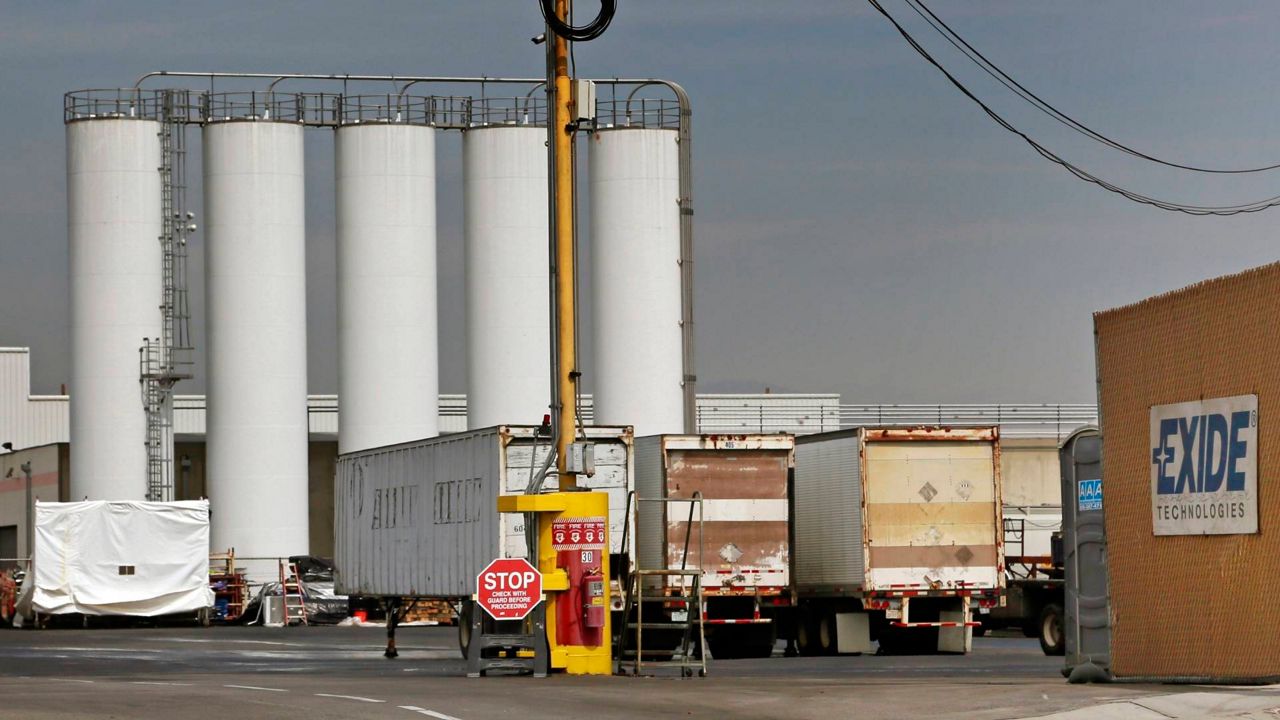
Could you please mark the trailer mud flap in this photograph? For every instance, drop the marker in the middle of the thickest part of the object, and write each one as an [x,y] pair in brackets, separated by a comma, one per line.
[853,633]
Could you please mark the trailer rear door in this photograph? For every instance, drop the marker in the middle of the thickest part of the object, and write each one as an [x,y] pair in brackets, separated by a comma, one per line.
[743,482]
[932,513]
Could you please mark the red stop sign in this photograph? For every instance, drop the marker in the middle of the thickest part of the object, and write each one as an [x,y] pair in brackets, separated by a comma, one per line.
[509,588]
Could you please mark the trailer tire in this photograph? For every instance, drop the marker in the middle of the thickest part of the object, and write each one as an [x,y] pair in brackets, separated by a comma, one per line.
[723,647]
[828,642]
[890,641]
[807,634]
[1053,641]
[760,641]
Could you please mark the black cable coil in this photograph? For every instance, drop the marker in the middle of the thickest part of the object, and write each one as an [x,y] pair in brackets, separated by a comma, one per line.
[579,33]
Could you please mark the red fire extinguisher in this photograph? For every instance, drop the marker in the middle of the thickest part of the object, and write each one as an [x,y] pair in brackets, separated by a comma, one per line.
[593,599]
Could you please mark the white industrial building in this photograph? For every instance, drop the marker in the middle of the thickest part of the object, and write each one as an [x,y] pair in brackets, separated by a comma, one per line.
[38,426]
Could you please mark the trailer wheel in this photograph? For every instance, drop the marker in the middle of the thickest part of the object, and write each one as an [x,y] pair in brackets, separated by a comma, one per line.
[762,641]
[757,641]
[890,641]
[723,647]
[807,634]
[1053,640]
[827,640]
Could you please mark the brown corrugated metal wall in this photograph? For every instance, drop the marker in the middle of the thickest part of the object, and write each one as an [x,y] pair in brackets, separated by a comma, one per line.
[1191,606]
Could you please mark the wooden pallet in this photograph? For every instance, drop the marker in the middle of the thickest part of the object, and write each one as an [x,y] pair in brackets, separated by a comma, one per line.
[437,611]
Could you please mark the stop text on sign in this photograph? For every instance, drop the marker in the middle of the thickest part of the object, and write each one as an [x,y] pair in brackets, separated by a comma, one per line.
[515,580]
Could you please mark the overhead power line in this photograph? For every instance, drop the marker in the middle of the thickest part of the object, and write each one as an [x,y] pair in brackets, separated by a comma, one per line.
[1081,173]
[1044,106]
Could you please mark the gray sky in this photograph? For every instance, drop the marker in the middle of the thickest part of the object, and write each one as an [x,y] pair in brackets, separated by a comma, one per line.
[861,227]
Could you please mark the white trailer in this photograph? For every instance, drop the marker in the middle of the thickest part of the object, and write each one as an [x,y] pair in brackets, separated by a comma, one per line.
[420,519]
[896,533]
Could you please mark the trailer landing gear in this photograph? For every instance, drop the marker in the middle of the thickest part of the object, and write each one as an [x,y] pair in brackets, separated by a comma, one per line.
[393,619]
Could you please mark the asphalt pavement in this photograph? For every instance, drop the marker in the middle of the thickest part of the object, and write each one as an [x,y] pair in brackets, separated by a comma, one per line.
[339,672]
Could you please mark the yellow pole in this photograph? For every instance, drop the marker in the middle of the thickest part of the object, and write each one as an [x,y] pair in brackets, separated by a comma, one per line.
[566,272]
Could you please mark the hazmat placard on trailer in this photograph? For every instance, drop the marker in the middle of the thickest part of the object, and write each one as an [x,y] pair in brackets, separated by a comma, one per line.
[1090,494]
[1204,467]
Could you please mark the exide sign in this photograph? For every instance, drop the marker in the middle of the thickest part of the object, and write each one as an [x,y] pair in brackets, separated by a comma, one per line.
[1204,467]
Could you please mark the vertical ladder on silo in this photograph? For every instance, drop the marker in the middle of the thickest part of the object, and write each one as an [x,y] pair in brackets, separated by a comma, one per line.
[159,427]
[167,359]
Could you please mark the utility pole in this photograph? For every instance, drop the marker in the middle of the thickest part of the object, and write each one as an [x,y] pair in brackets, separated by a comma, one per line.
[31,530]
[561,128]
[571,632]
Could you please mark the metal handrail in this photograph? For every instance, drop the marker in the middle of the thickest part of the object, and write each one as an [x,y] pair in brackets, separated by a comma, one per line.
[125,103]
[386,108]
[655,113]
[270,106]
[526,110]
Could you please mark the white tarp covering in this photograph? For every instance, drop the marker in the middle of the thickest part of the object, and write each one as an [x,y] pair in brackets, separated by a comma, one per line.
[120,558]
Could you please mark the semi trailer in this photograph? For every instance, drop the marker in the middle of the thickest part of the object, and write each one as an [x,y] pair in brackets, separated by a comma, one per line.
[419,520]
[896,536]
[718,504]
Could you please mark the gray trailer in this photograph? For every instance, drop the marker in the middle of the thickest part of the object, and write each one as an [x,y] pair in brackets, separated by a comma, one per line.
[896,534]
[420,519]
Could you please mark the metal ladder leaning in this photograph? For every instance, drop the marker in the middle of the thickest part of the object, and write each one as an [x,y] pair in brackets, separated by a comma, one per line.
[690,655]
[292,595]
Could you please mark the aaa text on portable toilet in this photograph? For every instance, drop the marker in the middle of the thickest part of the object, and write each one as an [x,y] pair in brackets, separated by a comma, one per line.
[1187,384]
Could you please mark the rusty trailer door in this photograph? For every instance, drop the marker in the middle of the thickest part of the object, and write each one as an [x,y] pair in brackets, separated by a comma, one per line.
[743,482]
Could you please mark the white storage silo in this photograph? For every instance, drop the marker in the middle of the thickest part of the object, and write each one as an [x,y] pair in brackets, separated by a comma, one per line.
[388,384]
[113,228]
[507,274]
[635,279]
[256,327]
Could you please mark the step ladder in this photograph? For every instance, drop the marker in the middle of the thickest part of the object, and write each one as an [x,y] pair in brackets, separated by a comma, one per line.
[658,611]
[292,595]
